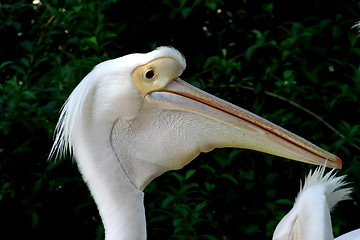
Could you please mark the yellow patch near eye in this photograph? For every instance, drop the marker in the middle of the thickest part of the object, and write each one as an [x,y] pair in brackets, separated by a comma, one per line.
[160,71]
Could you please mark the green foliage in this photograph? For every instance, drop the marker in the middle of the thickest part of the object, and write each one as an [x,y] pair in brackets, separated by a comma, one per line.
[296,63]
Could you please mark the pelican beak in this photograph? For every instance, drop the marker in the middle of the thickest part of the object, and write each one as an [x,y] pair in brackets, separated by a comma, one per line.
[264,136]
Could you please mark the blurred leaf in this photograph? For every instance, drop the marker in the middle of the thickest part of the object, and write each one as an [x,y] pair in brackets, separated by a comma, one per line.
[189,173]
[249,175]
[229,177]
[167,201]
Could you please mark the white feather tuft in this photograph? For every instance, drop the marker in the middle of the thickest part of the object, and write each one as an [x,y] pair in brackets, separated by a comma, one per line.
[70,116]
[334,186]
[310,216]
[357,25]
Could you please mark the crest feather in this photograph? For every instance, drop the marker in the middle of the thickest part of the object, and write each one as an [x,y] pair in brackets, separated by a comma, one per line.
[334,186]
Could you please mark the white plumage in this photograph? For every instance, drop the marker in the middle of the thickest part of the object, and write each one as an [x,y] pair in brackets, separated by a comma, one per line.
[309,219]
[132,119]
[109,77]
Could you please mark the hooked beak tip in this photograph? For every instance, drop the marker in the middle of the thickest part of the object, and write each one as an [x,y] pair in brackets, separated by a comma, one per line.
[339,161]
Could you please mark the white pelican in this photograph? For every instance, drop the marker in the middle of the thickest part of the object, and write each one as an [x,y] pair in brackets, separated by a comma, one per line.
[132,119]
[310,219]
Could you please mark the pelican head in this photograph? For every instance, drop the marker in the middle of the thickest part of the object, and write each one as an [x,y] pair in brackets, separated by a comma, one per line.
[132,119]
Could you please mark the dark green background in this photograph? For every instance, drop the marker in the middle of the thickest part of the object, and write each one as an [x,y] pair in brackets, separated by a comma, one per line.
[295,63]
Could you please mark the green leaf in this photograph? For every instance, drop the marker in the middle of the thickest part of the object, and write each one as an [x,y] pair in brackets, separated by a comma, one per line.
[249,174]
[285,201]
[2,65]
[186,11]
[288,74]
[36,186]
[34,219]
[211,5]
[209,186]
[178,176]
[27,45]
[189,173]
[200,206]
[208,167]
[229,177]
[29,95]
[167,201]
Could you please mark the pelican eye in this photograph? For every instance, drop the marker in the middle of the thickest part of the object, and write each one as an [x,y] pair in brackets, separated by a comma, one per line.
[149,74]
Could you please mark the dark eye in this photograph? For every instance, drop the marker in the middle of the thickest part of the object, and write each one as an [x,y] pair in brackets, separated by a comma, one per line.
[149,74]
